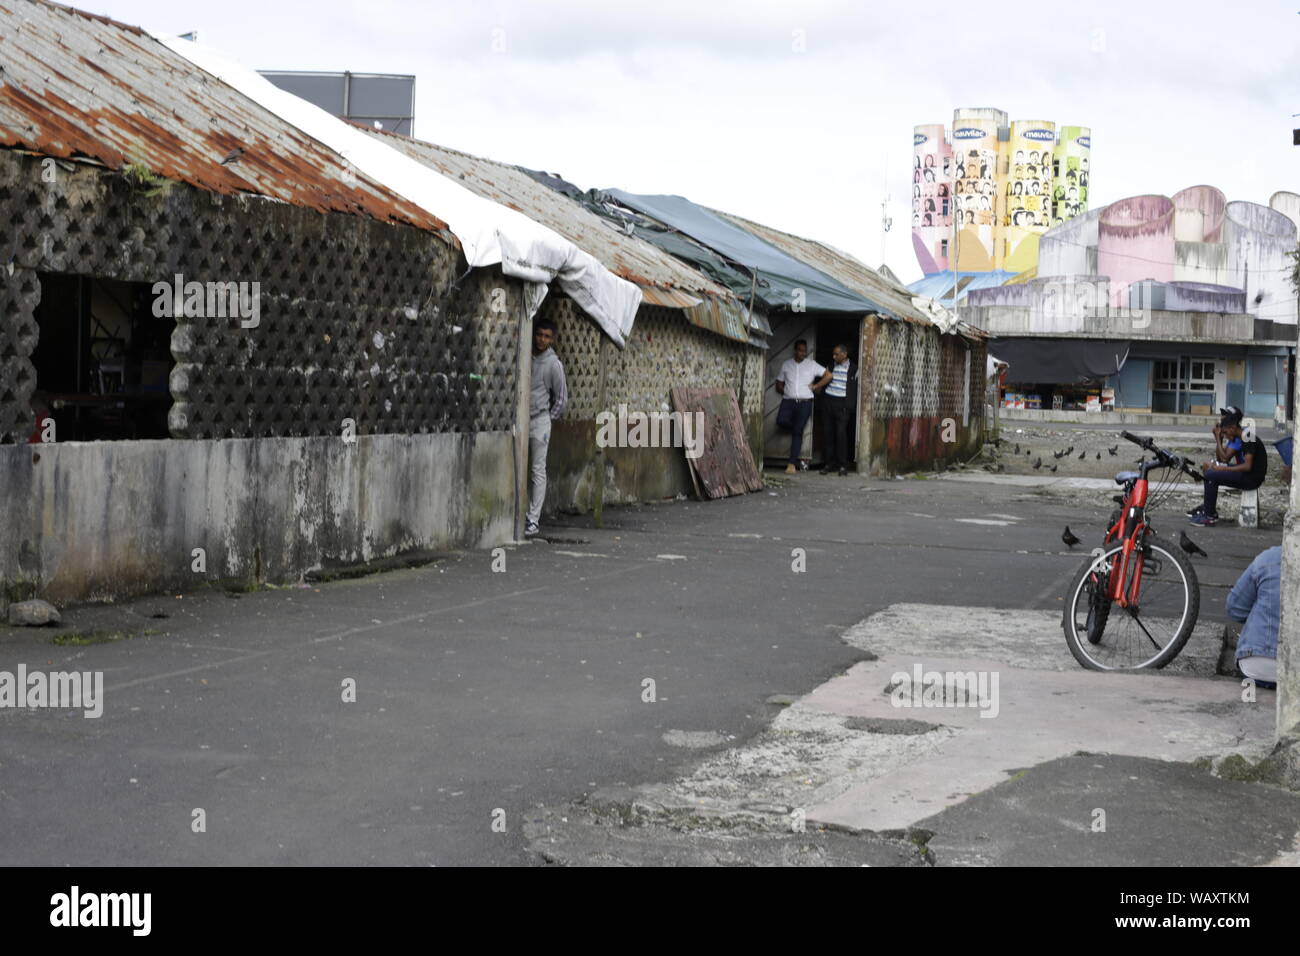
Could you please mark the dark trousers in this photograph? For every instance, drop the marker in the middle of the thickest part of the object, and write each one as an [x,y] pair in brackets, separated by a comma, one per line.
[802,412]
[1233,479]
[835,431]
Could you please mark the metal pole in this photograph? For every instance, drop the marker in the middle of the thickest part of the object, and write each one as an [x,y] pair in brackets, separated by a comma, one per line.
[524,378]
[601,399]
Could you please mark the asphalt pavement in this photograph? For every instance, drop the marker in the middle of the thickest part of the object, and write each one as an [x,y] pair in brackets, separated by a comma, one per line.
[599,658]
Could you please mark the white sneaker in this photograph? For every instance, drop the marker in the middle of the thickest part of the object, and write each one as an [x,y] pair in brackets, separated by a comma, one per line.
[530,529]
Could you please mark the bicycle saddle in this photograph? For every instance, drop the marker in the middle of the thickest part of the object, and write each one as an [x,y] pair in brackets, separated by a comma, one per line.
[1126,476]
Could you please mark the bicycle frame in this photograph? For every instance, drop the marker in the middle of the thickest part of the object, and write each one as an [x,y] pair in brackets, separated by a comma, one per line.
[1132,523]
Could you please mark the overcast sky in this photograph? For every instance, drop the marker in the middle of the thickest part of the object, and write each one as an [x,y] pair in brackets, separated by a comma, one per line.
[800,115]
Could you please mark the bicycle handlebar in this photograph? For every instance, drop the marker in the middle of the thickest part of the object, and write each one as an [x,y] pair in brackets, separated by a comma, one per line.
[1174,461]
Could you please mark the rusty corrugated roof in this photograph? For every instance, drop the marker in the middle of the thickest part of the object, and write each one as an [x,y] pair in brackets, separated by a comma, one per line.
[627,256]
[857,275]
[76,85]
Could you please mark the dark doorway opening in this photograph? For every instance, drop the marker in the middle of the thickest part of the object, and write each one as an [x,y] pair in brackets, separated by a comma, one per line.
[102,360]
[830,333]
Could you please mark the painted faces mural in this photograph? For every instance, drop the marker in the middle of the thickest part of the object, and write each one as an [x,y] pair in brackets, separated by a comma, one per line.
[1027,190]
[984,192]
[932,209]
[975,176]
[1070,184]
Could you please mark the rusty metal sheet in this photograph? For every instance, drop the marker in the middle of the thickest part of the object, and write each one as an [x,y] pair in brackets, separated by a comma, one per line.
[664,279]
[726,466]
[728,319]
[79,86]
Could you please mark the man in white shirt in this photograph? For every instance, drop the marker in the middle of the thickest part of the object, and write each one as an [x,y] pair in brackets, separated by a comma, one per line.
[800,380]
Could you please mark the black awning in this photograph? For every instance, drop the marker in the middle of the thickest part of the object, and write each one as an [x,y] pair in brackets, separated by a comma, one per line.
[1058,361]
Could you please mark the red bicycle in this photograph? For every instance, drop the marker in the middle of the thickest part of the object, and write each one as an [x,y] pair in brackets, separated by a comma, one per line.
[1135,603]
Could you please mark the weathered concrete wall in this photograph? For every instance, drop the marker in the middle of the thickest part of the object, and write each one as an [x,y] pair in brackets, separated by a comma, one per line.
[1156,325]
[1288,638]
[1259,240]
[1135,240]
[85,521]
[1070,248]
[663,350]
[1198,214]
[1201,262]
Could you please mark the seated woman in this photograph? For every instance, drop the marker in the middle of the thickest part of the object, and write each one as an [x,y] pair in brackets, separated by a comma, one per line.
[1240,464]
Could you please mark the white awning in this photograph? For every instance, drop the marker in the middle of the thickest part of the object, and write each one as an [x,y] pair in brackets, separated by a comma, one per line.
[490,233]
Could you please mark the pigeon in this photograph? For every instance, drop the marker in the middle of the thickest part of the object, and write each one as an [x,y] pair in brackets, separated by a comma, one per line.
[233,156]
[1054,467]
[1082,455]
[1028,452]
[1099,456]
[1069,539]
[1038,464]
[1069,450]
[1058,455]
[1190,546]
[1017,451]
[1113,450]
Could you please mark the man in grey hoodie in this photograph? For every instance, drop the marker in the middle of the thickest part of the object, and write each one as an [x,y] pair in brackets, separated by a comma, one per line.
[549,394]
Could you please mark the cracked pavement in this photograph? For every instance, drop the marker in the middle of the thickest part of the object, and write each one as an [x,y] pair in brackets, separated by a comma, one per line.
[523,692]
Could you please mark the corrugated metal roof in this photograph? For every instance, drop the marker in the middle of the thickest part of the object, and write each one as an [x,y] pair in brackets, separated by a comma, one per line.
[627,256]
[840,266]
[77,85]
[939,285]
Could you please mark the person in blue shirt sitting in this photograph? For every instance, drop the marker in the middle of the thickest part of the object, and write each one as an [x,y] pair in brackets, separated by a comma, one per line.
[1240,462]
[1256,601]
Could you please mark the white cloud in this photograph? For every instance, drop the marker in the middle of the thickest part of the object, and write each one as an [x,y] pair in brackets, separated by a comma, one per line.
[710,100]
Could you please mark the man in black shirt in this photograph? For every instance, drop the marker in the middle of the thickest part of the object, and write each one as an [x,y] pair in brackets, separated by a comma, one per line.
[1246,473]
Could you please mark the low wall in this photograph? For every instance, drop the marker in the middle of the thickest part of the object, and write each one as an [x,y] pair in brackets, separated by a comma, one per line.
[92,520]
[1117,418]
[631,474]
[917,444]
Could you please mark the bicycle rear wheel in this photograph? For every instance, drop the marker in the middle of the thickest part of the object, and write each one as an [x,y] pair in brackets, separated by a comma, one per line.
[1104,637]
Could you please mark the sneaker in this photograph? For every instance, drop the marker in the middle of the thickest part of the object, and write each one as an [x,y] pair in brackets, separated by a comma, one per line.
[531,529]
[825,471]
[789,469]
[844,472]
[1198,510]
[1204,520]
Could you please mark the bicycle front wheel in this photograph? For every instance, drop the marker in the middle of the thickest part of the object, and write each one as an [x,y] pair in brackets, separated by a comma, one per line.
[1105,637]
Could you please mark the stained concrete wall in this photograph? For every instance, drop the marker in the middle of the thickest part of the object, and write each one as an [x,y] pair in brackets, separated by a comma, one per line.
[1259,240]
[1288,638]
[91,520]
[1135,240]
[1199,214]
[1070,248]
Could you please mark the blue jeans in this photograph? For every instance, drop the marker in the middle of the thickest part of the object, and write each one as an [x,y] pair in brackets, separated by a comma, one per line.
[803,410]
[1233,479]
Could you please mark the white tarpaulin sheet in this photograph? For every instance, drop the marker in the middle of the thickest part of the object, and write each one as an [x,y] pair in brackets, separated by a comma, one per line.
[490,233]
